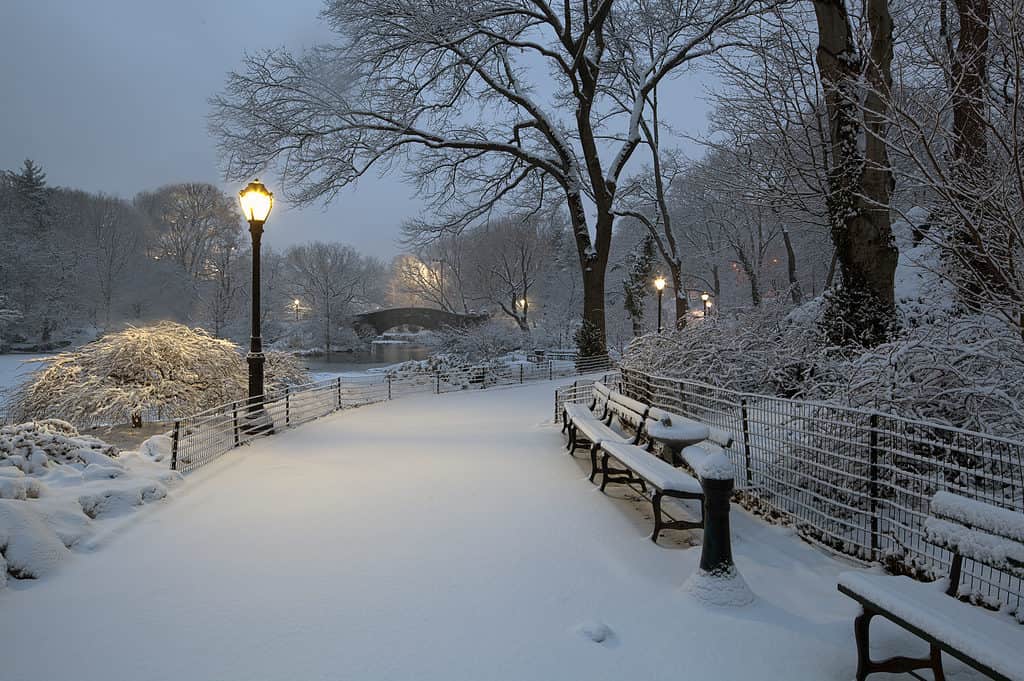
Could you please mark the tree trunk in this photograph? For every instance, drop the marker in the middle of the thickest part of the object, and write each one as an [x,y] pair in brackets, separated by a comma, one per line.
[969,83]
[591,339]
[862,310]
[794,282]
[682,304]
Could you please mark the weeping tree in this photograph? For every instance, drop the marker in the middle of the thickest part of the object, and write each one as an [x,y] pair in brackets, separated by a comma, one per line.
[516,102]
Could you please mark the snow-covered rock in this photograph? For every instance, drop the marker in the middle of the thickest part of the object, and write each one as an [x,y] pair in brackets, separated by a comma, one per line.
[30,547]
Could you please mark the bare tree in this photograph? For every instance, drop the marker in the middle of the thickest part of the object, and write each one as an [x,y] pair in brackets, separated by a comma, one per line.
[450,85]
[113,232]
[507,258]
[330,278]
[191,220]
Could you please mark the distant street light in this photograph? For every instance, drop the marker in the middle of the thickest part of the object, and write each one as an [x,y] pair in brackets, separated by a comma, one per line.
[295,306]
[707,302]
[256,203]
[659,284]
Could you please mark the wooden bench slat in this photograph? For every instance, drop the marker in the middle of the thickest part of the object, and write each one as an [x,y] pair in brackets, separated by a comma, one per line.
[659,473]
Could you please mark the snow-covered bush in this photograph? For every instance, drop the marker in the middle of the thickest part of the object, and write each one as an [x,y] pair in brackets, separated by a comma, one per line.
[768,349]
[155,372]
[33,446]
[481,342]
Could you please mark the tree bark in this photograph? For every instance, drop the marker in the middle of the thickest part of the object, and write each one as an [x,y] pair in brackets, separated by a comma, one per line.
[862,309]
[794,283]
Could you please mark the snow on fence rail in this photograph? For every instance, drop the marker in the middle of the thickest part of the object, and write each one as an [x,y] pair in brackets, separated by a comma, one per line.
[202,437]
[854,480]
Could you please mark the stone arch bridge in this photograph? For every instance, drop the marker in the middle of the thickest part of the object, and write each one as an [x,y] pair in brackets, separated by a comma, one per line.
[379,321]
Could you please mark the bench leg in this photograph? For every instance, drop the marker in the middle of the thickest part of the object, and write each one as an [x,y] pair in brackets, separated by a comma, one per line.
[656,504]
[895,665]
[565,420]
[862,632]
[593,461]
[604,472]
[571,446]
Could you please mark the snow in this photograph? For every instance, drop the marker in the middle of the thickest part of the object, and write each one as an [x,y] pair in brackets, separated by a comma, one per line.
[991,638]
[393,542]
[726,589]
[1001,521]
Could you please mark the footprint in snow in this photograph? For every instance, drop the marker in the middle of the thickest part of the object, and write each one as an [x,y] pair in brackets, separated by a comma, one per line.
[598,632]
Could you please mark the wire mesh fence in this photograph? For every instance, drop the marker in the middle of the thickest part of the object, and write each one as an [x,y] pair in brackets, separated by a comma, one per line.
[856,481]
[202,437]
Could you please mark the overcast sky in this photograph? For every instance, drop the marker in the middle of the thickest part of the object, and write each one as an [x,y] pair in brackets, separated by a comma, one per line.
[111,96]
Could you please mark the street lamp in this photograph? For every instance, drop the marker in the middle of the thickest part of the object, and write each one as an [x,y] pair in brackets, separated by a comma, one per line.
[707,302]
[256,203]
[295,306]
[659,284]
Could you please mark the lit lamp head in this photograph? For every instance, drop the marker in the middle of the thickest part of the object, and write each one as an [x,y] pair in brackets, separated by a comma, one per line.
[296,303]
[659,283]
[256,202]
[704,296]
[522,302]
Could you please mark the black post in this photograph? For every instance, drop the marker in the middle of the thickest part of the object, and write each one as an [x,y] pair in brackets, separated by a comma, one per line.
[873,486]
[389,386]
[175,438]
[746,437]
[520,373]
[287,406]
[255,358]
[659,310]
[437,383]
[339,392]
[234,416]
[716,554]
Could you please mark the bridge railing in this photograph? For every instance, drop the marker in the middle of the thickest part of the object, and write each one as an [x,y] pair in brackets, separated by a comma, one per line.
[203,437]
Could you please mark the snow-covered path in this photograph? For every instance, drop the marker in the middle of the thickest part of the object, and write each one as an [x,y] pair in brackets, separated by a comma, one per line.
[427,538]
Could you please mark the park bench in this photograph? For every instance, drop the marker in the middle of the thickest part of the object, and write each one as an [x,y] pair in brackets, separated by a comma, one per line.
[639,463]
[990,643]
[590,426]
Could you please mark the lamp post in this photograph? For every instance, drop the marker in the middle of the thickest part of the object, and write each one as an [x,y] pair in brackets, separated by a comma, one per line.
[295,307]
[256,203]
[659,284]
[707,302]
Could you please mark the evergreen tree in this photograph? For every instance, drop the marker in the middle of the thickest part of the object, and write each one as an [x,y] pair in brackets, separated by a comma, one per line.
[639,266]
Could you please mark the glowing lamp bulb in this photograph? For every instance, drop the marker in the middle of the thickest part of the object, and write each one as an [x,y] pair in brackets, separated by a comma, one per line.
[659,283]
[256,202]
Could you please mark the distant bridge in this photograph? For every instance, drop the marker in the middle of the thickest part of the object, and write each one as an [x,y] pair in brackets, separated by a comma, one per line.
[380,321]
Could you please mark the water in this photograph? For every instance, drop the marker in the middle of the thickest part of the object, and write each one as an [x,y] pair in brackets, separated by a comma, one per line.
[379,355]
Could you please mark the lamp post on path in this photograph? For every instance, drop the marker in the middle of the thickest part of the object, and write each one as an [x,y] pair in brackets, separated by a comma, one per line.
[659,284]
[256,203]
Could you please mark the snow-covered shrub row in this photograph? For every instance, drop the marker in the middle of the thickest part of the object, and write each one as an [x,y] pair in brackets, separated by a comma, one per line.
[945,365]
[156,372]
[58,488]
[31,447]
[481,342]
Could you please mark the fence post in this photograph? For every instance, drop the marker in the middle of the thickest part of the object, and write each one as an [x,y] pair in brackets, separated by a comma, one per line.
[175,438]
[551,369]
[389,386]
[483,379]
[339,392]
[873,486]
[746,437]
[437,382]
[287,406]
[234,416]
[520,373]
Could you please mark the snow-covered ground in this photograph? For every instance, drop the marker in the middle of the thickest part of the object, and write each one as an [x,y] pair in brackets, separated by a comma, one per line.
[425,538]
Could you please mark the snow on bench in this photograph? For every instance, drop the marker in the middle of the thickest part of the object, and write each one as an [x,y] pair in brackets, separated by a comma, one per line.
[992,644]
[580,420]
[988,639]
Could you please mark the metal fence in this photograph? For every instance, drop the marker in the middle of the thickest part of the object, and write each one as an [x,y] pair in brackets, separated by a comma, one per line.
[856,481]
[201,438]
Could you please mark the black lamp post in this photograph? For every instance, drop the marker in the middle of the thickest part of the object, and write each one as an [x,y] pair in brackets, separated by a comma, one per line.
[256,203]
[659,284]
[707,302]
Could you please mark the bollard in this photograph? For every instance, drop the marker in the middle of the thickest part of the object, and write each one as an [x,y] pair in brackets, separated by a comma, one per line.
[717,581]
[716,554]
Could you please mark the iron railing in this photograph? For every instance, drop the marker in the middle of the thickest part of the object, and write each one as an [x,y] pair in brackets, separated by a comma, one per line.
[201,438]
[854,480]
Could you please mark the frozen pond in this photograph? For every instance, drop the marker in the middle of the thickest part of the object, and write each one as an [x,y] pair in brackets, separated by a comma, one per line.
[13,369]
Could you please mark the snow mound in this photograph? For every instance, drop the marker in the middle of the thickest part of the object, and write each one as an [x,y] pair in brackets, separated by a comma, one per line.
[35,445]
[156,448]
[119,500]
[30,548]
[598,632]
[725,589]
